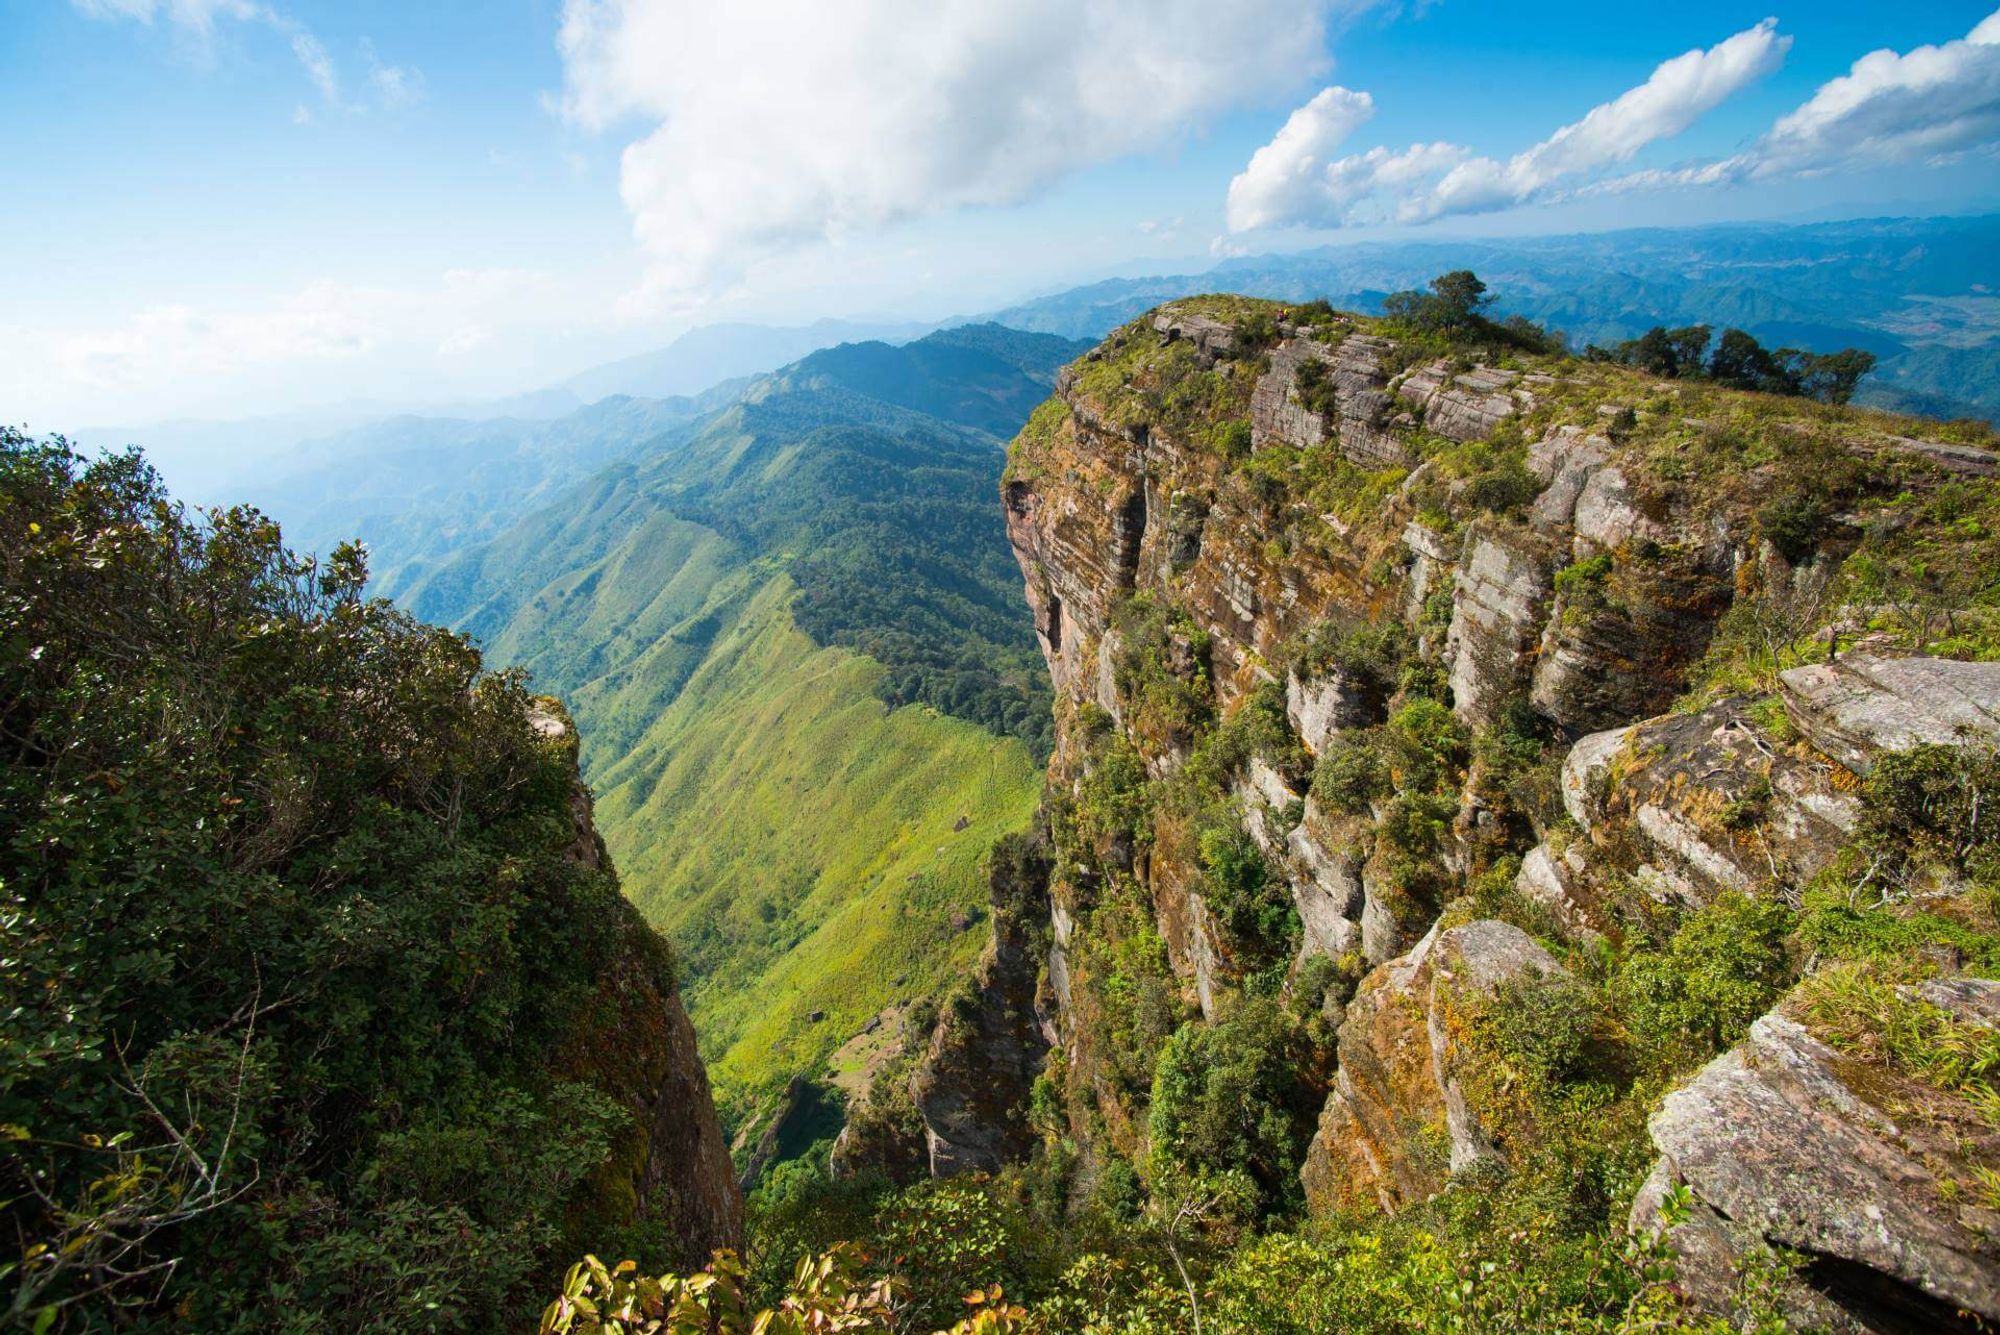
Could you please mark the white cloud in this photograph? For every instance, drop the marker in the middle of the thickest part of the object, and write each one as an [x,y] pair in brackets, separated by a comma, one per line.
[775,122]
[1286,178]
[1295,179]
[318,66]
[320,340]
[1931,105]
[395,86]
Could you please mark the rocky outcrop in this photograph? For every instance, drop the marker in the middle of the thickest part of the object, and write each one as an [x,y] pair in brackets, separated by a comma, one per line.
[1785,1142]
[1463,407]
[1859,706]
[1404,1047]
[971,1089]
[670,1165]
[1502,595]
[1691,806]
[1568,604]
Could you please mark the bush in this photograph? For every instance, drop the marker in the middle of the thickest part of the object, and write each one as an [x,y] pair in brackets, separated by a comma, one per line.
[1233,1098]
[1350,775]
[1722,969]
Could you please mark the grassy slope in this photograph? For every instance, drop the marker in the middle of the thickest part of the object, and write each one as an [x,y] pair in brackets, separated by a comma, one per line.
[794,838]
[700,607]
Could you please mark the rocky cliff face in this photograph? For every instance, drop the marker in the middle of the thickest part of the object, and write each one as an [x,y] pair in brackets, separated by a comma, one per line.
[670,1165]
[1500,633]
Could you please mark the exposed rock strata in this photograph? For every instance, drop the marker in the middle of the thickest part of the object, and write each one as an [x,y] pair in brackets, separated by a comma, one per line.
[1403,1046]
[1783,1141]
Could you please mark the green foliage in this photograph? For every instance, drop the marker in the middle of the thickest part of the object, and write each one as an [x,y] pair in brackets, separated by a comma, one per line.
[1351,774]
[1237,1098]
[1721,969]
[296,946]
[1314,387]
[1741,362]
[1935,805]
[1249,901]
[1428,746]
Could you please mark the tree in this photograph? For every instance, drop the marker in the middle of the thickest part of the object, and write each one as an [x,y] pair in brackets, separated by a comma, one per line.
[1741,362]
[1460,295]
[1828,377]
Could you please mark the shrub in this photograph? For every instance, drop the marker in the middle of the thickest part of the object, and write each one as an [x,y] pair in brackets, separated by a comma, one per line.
[1350,775]
[1233,1097]
[1722,969]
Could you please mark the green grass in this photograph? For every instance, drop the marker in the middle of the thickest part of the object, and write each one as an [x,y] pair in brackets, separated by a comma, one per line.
[793,837]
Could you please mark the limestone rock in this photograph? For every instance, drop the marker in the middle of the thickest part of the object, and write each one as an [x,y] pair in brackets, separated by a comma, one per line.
[1212,338]
[1565,462]
[1322,707]
[1498,604]
[1276,415]
[972,1087]
[1702,804]
[1859,706]
[1606,515]
[1784,1141]
[1464,407]
[1401,1059]
[1325,878]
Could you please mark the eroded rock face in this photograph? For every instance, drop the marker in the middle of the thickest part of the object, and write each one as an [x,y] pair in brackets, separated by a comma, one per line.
[972,1087]
[1588,605]
[1463,407]
[1399,1094]
[1785,1141]
[1502,595]
[671,1164]
[1692,806]
[1859,706]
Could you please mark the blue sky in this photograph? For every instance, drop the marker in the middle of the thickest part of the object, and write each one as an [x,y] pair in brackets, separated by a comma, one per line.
[224,207]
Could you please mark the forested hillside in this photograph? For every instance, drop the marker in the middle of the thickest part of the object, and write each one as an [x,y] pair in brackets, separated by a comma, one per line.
[808,694]
[322,1008]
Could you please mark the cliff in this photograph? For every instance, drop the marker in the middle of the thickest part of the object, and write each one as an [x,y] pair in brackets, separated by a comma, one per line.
[669,1164]
[1454,693]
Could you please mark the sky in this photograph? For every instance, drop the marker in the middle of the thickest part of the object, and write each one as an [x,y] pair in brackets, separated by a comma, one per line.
[223,208]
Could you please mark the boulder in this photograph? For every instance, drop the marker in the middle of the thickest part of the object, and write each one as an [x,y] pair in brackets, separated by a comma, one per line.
[1403,1051]
[1695,805]
[1607,517]
[1860,706]
[1784,1141]
[1322,707]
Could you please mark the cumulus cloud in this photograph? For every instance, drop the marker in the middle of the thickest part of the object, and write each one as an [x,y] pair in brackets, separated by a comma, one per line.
[1930,103]
[394,86]
[1286,178]
[1933,104]
[1297,180]
[774,122]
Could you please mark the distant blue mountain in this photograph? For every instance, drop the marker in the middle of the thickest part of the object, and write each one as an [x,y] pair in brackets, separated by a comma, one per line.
[1923,294]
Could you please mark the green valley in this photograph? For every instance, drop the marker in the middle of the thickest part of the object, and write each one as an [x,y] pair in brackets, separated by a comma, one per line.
[808,694]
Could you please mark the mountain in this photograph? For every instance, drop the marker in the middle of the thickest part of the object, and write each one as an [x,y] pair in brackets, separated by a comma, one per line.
[809,696]
[711,354]
[319,992]
[420,488]
[1518,851]
[1916,291]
